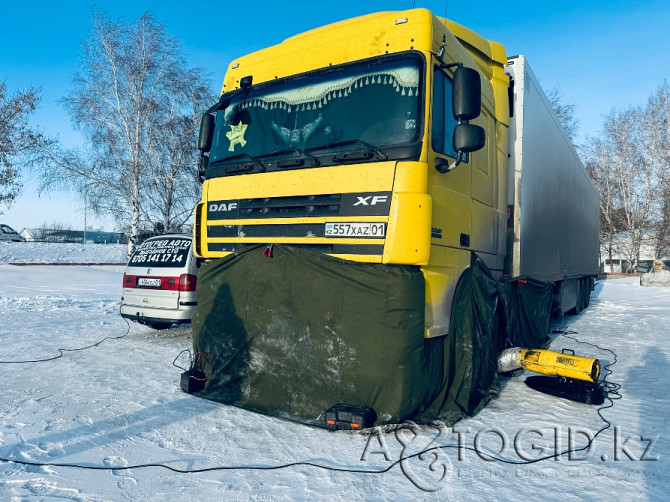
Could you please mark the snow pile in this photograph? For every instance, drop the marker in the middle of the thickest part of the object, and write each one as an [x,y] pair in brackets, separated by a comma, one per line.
[656,278]
[54,252]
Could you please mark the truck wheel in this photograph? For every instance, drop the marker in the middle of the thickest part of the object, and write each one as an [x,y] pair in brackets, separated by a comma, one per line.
[578,300]
[587,292]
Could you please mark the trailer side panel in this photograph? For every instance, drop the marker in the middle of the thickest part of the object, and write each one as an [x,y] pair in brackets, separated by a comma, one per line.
[554,207]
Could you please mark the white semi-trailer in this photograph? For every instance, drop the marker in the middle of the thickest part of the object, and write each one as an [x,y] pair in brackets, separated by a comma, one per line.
[553,206]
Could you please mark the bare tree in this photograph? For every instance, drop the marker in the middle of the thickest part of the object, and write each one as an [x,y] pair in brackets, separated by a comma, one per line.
[16,138]
[173,187]
[599,167]
[662,248]
[656,146]
[633,176]
[630,165]
[130,76]
[565,112]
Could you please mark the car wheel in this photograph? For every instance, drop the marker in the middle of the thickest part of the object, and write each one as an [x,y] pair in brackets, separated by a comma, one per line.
[159,325]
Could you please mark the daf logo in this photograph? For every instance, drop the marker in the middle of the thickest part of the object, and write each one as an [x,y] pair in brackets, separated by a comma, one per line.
[213,208]
[370,200]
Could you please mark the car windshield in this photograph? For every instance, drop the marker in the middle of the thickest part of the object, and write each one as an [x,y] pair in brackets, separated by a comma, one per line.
[373,106]
[165,252]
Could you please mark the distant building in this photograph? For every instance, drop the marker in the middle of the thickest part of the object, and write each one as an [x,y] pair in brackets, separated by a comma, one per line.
[27,234]
[620,262]
[57,235]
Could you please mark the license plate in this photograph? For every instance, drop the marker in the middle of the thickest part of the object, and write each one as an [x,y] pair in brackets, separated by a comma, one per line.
[148,282]
[374,230]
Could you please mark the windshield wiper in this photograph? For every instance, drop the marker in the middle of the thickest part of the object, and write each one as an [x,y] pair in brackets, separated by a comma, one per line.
[233,169]
[297,162]
[372,150]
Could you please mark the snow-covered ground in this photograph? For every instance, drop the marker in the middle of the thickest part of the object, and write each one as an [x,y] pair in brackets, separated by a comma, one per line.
[656,278]
[118,404]
[53,252]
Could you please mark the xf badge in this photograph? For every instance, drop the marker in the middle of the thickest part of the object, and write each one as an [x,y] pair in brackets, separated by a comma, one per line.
[370,200]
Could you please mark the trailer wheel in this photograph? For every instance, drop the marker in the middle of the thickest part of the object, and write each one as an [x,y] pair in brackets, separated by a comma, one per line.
[583,294]
[587,292]
[580,295]
[579,302]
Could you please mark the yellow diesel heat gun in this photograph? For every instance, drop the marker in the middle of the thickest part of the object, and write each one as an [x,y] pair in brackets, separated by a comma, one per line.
[547,362]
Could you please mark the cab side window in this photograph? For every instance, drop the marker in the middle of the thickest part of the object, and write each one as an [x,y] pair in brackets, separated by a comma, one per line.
[443,115]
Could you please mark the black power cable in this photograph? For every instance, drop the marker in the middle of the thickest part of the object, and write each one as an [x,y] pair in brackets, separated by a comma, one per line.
[210,469]
[61,352]
[612,390]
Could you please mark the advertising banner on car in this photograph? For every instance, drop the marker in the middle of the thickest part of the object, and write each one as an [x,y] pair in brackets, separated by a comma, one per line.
[169,252]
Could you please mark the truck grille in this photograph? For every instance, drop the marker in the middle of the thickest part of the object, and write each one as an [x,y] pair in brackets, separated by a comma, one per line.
[279,207]
[314,206]
[241,221]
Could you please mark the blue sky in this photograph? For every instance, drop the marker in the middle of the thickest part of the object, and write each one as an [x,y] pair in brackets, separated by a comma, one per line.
[602,54]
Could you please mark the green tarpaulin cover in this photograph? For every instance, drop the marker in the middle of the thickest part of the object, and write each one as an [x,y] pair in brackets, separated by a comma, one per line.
[527,310]
[293,334]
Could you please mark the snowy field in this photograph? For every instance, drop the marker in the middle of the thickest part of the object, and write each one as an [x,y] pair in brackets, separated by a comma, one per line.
[117,406]
[53,252]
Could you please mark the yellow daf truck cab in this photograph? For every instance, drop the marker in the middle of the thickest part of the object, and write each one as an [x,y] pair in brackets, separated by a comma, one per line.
[380,139]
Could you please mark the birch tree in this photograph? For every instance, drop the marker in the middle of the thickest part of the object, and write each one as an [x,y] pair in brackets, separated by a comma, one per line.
[630,164]
[620,165]
[565,112]
[172,186]
[599,167]
[656,145]
[17,138]
[131,74]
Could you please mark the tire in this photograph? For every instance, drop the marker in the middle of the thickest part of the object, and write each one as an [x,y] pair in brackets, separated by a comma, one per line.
[576,310]
[587,292]
[580,298]
[159,325]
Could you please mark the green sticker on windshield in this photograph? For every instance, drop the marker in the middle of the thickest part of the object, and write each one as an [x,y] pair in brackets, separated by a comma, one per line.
[236,135]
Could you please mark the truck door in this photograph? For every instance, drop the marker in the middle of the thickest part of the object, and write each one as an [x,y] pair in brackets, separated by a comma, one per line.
[451,192]
[485,190]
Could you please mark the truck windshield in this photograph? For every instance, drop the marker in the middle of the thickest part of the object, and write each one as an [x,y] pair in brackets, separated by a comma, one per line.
[371,109]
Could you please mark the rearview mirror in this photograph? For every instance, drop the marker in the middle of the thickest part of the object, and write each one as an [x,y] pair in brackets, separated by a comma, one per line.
[466,101]
[202,167]
[469,138]
[467,94]
[206,132]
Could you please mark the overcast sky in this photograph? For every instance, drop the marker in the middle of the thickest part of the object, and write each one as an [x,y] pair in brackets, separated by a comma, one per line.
[602,54]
